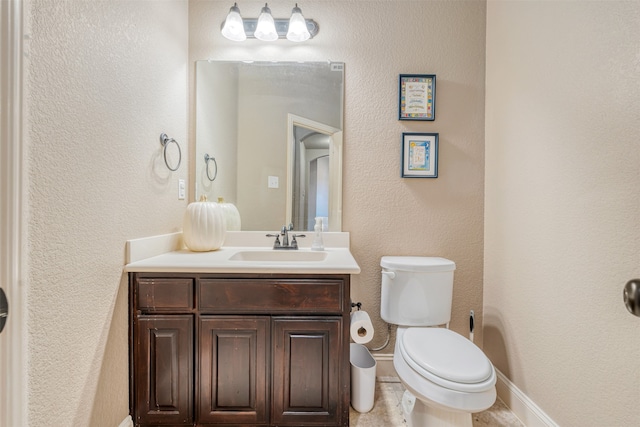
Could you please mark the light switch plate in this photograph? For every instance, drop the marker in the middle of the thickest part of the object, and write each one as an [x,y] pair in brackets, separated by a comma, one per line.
[181,189]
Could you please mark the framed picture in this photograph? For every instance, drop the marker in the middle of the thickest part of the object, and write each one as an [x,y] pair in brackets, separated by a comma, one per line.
[419,155]
[417,94]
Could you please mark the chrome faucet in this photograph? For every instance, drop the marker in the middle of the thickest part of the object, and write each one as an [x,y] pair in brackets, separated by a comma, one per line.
[284,232]
[285,235]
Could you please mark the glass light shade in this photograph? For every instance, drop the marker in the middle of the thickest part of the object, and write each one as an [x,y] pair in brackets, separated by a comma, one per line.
[233,28]
[298,31]
[266,28]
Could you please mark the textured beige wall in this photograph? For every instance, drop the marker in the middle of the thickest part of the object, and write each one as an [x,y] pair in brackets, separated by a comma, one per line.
[103,80]
[563,205]
[386,214]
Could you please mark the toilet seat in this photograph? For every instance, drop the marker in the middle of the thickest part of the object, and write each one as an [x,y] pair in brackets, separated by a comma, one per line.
[447,359]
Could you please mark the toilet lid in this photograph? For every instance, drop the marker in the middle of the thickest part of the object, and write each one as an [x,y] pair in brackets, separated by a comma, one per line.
[417,263]
[447,358]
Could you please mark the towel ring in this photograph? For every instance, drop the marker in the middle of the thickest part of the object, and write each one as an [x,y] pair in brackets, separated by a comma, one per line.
[166,141]
[207,158]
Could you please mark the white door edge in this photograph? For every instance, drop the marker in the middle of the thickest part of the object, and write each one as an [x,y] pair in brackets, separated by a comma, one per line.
[13,351]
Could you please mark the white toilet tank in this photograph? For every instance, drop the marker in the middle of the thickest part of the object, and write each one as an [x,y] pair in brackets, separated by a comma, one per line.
[416,291]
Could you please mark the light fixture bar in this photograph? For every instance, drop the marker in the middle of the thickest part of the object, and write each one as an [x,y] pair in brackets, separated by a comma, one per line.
[282,26]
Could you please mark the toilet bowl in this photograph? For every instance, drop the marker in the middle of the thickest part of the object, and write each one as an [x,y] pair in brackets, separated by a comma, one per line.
[447,377]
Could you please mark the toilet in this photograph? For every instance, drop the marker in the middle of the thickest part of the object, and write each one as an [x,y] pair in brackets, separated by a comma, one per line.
[447,377]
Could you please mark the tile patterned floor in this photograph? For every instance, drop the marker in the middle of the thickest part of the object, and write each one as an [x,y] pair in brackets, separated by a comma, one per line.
[387,411]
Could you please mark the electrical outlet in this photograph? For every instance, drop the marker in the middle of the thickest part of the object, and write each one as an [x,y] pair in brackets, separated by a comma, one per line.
[273,182]
[181,189]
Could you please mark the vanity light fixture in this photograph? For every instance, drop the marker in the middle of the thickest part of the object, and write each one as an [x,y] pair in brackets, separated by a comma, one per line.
[266,28]
[298,31]
[233,27]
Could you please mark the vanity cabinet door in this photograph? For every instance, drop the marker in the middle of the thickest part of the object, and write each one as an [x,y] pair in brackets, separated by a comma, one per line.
[163,370]
[307,360]
[233,370]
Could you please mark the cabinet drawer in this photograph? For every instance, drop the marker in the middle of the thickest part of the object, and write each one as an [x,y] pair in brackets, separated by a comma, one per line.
[271,295]
[162,294]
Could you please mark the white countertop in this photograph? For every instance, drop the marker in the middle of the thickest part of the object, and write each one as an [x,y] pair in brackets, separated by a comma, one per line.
[166,254]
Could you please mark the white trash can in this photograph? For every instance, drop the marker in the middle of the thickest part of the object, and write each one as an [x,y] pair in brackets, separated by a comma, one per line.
[363,378]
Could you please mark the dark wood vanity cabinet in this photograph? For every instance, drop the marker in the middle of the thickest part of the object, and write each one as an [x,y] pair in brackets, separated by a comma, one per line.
[239,350]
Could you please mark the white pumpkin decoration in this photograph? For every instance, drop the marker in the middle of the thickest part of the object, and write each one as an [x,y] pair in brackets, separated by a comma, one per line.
[231,215]
[204,226]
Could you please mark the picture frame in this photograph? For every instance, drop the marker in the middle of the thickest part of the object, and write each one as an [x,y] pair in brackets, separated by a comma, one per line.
[417,97]
[419,155]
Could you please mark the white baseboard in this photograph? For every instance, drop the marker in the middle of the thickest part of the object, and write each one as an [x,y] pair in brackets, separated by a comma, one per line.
[127,422]
[385,372]
[524,408]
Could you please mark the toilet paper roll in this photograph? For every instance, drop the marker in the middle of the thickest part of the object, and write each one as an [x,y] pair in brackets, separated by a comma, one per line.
[361,327]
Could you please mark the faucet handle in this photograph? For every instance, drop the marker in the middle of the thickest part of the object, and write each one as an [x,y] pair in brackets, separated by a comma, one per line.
[294,242]
[277,242]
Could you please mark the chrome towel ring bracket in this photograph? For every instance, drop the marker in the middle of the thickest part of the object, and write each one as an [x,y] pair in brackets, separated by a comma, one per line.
[207,159]
[165,141]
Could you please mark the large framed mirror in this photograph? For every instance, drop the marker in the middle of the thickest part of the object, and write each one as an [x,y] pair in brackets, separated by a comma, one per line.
[272,132]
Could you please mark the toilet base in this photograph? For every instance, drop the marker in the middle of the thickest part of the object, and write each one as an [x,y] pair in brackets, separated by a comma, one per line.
[419,414]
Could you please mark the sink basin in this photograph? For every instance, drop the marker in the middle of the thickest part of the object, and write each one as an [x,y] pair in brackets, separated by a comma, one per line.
[279,256]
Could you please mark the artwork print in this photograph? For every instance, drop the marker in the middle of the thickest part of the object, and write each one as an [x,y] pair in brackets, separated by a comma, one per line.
[419,155]
[417,97]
